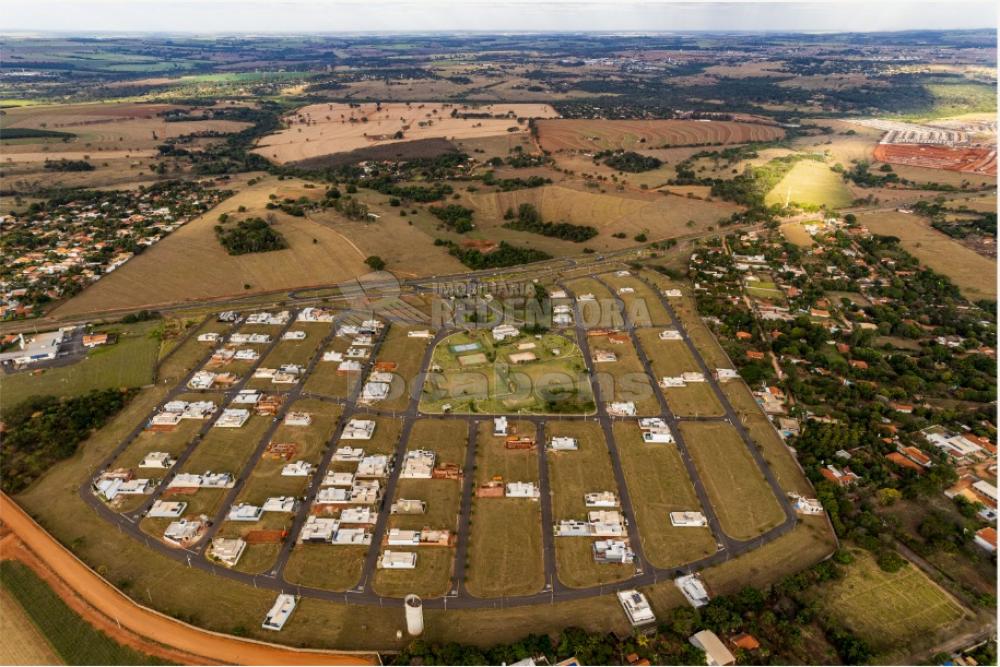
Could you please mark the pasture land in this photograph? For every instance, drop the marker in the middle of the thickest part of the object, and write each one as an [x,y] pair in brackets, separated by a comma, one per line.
[127,363]
[40,617]
[974,274]
[326,129]
[571,475]
[796,233]
[191,265]
[812,183]
[659,485]
[23,643]
[478,374]
[589,135]
[736,487]
[897,613]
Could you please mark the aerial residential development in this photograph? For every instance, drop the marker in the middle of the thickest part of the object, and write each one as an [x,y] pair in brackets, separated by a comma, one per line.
[639,333]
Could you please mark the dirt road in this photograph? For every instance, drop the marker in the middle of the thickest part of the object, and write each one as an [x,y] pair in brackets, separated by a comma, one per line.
[185,639]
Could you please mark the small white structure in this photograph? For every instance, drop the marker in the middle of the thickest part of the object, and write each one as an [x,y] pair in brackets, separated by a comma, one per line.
[164,509]
[505,331]
[403,538]
[420,333]
[359,429]
[409,506]
[210,337]
[622,409]
[232,418]
[375,465]
[338,478]
[688,520]
[523,490]
[606,523]
[726,374]
[296,334]
[601,499]
[414,615]
[161,460]
[807,506]
[332,355]
[398,560]
[297,469]
[636,608]
[563,443]
[693,589]
[247,397]
[418,464]
[282,609]
[358,516]
[716,653]
[245,512]
[672,293]
[670,334]
[671,382]
[374,392]
[613,551]
[352,537]
[279,504]
[298,419]
[227,550]
[499,426]
[318,529]
[349,454]
[692,376]
[182,532]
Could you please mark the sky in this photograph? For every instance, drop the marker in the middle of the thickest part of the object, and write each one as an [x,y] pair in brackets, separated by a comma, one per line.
[333,16]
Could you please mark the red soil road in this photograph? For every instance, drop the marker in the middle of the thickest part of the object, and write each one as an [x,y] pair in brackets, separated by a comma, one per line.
[186,639]
[969,160]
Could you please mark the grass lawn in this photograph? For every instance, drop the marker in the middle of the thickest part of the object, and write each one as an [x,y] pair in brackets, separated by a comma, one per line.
[811,182]
[227,449]
[127,363]
[493,459]
[333,568]
[292,352]
[624,379]
[739,493]
[430,578]
[74,640]
[449,438]
[408,354]
[696,399]
[779,458]
[901,610]
[658,484]
[642,305]
[571,475]
[505,548]
[603,312]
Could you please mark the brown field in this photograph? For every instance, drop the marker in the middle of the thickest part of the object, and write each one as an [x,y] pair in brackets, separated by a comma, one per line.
[974,274]
[324,129]
[931,175]
[102,129]
[972,160]
[23,643]
[586,135]
[190,264]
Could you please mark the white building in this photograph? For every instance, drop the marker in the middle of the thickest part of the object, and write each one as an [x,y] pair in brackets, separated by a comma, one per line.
[505,331]
[296,334]
[352,537]
[298,419]
[375,465]
[613,551]
[279,613]
[227,550]
[163,509]
[601,499]
[688,519]
[160,460]
[636,608]
[358,515]
[563,443]
[499,426]
[297,469]
[318,529]
[670,334]
[245,512]
[622,409]
[232,418]
[418,464]
[716,652]
[398,560]
[279,504]
[403,538]
[359,429]
[523,490]
[726,374]
[693,589]
[338,478]
[349,454]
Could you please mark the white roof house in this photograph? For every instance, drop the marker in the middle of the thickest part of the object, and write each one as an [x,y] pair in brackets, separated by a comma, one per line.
[366,492]
[161,460]
[692,376]
[636,607]
[227,550]
[349,366]
[333,495]
[358,515]
[688,519]
[408,506]
[352,536]
[279,504]
[296,334]
[523,490]
[298,419]
[338,478]
[693,589]
[332,355]
[398,560]
[373,392]
[165,418]
[279,613]
[245,512]
[318,529]
[210,337]
[247,397]
[356,352]
[606,523]
[183,531]
[349,454]
[418,464]
[297,469]
[375,465]
[164,509]
[311,314]
[232,418]
[671,382]
[659,436]
[403,538]
[358,429]
[505,331]
[573,528]
[601,499]
[613,551]
[563,443]
[499,426]
[726,374]
[421,333]
[670,334]
[622,409]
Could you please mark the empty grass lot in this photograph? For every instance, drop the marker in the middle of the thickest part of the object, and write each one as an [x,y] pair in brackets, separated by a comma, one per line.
[571,475]
[736,487]
[74,640]
[902,610]
[227,449]
[603,312]
[779,458]
[642,305]
[127,363]
[332,568]
[813,183]
[624,379]
[659,484]
[430,578]
[671,358]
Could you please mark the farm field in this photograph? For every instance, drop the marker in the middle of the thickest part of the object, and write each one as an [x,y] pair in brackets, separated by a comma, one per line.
[190,264]
[23,642]
[659,485]
[971,160]
[812,183]
[975,275]
[127,363]
[896,612]
[571,475]
[737,489]
[586,135]
[478,374]
[325,129]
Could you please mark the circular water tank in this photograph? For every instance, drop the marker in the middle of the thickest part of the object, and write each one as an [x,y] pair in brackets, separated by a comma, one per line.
[414,614]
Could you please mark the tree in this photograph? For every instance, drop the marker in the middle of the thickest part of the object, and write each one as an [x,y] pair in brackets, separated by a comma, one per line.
[375,262]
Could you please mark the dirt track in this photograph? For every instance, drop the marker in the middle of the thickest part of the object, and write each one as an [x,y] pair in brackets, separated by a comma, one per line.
[136,626]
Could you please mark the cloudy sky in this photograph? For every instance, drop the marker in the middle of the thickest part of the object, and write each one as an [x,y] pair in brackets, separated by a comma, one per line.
[329,16]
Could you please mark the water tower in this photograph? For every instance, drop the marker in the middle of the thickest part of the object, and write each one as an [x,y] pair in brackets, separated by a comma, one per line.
[414,614]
